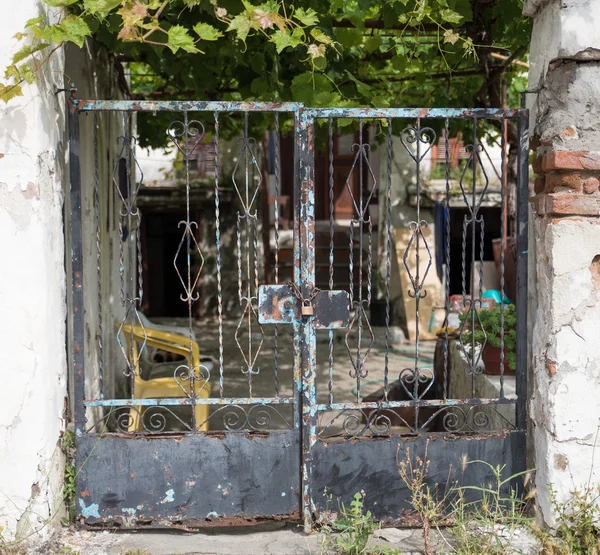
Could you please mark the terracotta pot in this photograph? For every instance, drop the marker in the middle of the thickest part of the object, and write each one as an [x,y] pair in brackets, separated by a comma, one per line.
[491,360]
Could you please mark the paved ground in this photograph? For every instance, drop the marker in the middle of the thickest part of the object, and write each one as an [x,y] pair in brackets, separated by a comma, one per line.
[274,539]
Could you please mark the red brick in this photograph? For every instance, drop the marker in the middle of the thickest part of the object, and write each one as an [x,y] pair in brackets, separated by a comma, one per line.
[569,180]
[590,185]
[537,164]
[569,204]
[534,143]
[571,160]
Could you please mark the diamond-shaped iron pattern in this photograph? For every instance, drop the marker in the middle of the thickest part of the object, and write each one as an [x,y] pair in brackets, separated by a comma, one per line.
[126,339]
[476,197]
[247,255]
[417,280]
[127,153]
[362,153]
[360,351]
[191,246]
[472,353]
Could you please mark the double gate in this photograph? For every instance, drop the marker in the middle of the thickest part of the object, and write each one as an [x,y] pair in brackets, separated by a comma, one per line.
[282,421]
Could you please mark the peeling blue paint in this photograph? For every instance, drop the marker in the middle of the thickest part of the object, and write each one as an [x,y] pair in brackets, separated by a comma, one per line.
[92,510]
[169,496]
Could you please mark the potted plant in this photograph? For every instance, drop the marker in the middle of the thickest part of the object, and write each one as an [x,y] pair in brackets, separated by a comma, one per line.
[488,333]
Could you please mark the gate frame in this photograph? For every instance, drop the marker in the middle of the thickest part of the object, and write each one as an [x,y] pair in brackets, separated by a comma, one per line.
[305,406]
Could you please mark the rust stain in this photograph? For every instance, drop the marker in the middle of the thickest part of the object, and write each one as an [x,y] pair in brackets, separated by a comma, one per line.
[85,493]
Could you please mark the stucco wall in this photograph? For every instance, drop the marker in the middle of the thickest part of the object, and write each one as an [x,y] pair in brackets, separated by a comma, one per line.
[564,299]
[34,404]
[32,293]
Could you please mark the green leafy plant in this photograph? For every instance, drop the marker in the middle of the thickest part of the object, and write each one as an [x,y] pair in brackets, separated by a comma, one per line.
[352,532]
[69,487]
[489,523]
[487,329]
[577,524]
[428,502]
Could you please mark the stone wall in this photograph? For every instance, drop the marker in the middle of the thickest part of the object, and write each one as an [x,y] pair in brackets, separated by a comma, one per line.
[565,245]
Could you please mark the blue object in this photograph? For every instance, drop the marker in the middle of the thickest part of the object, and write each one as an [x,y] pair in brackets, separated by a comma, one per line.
[440,216]
[495,295]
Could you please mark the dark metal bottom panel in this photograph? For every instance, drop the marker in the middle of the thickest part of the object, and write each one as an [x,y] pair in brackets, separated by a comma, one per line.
[344,468]
[228,478]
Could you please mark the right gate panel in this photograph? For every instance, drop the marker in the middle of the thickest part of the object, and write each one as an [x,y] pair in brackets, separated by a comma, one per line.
[431,369]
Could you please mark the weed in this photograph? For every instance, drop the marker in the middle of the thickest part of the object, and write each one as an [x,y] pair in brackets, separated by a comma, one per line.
[69,491]
[429,503]
[489,523]
[484,525]
[352,532]
[578,530]
[68,550]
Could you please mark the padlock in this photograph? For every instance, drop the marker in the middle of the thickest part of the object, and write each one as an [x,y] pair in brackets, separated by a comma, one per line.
[307,309]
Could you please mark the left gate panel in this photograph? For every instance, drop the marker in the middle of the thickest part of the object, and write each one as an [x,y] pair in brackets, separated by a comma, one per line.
[191,481]
[185,405]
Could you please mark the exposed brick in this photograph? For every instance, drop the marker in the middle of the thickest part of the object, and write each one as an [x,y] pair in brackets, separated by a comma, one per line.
[537,164]
[569,180]
[590,185]
[550,367]
[534,143]
[568,204]
[569,132]
[571,160]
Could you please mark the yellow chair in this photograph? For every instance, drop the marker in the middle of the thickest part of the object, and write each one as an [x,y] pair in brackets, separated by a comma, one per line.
[151,384]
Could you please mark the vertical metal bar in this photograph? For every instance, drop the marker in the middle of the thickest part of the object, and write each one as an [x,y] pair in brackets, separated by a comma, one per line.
[276,217]
[77,270]
[418,270]
[522,246]
[306,281]
[188,240]
[447,257]
[331,242]
[388,257]
[503,230]
[474,212]
[98,259]
[218,240]
[360,223]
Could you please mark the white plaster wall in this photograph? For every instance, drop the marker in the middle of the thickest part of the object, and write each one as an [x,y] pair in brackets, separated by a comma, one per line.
[32,294]
[562,28]
[565,407]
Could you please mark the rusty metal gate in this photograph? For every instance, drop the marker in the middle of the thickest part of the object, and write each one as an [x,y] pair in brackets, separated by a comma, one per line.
[164,436]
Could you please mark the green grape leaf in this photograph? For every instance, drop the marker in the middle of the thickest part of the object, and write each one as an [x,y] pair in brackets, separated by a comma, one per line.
[59,3]
[74,30]
[179,38]
[450,16]
[283,39]
[33,21]
[372,43]
[207,32]
[8,92]
[100,8]
[27,50]
[321,36]
[307,17]
[241,24]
